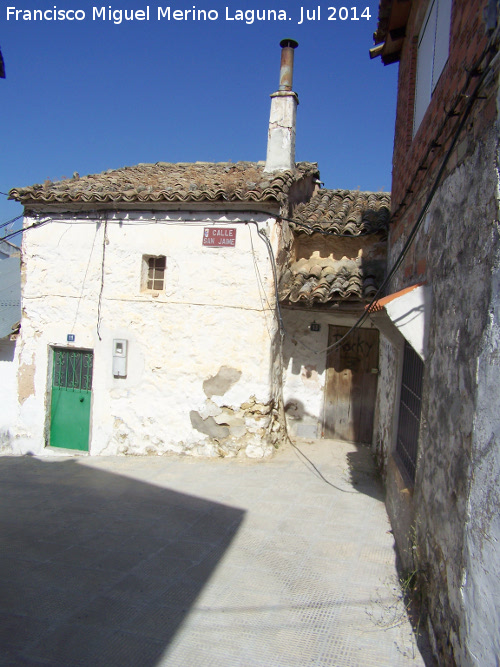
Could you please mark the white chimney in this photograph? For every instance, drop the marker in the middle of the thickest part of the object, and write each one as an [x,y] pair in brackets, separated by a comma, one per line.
[281,134]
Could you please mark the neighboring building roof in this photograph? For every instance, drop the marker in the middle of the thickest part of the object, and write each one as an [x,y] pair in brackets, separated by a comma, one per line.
[10,295]
[384,15]
[343,212]
[166,182]
[8,249]
[391,30]
[322,280]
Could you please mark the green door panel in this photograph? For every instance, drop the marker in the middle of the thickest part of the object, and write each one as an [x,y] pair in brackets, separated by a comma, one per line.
[69,419]
[70,399]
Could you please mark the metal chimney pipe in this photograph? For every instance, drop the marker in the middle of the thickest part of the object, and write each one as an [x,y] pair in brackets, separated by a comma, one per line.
[286,69]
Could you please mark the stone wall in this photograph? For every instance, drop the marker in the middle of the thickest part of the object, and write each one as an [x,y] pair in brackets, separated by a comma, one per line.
[463,241]
[446,525]
[481,587]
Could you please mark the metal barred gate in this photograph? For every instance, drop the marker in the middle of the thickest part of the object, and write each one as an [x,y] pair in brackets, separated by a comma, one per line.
[409,411]
[70,398]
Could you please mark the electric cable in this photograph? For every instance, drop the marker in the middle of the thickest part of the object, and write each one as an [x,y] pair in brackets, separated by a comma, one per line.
[313,467]
[260,285]
[9,222]
[266,240]
[35,225]
[84,279]
[413,232]
[99,303]
[474,71]
[409,241]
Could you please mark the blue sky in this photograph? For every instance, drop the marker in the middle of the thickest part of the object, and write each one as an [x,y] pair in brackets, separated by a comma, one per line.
[92,95]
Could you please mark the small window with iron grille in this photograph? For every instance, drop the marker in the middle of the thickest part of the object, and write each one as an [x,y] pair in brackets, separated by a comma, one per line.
[409,413]
[153,273]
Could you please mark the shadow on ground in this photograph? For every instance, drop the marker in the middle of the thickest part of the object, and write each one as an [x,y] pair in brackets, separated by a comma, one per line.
[361,473]
[96,568]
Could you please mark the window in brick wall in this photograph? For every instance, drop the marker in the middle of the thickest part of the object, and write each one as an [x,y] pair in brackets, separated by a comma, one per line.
[153,273]
[433,49]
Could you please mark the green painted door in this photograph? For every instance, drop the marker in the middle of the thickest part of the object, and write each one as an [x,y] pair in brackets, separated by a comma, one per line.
[70,399]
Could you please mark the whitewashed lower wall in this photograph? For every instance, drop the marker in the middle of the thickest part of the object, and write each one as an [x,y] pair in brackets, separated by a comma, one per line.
[304,362]
[8,393]
[200,353]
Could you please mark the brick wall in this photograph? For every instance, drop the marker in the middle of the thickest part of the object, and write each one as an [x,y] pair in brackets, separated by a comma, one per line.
[417,160]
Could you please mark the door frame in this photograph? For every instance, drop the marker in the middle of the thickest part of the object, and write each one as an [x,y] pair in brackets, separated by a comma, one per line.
[325,389]
[52,348]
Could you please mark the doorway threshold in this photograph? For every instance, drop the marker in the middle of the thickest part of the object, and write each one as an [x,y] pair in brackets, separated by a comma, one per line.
[62,451]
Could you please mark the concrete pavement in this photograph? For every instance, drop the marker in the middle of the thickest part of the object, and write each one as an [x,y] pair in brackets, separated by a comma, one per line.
[179,562]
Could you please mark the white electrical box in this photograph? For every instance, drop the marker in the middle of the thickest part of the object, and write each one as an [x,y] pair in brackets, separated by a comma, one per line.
[120,346]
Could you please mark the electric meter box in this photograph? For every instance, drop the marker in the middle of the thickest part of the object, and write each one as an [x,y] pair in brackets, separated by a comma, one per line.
[120,349]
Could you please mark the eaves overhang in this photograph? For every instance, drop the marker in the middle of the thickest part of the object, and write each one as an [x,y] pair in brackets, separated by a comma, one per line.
[409,312]
[391,30]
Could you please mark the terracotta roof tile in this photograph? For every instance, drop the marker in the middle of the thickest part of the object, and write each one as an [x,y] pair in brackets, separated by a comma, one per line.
[343,212]
[166,182]
[319,280]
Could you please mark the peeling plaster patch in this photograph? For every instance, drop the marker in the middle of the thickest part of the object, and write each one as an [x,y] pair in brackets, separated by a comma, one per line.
[219,384]
[254,429]
[121,435]
[210,409]
[26,381]
[235,423]
[208,426]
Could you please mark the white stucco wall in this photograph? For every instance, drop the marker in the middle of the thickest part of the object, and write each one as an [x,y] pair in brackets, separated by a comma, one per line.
[8,392]
[217,312]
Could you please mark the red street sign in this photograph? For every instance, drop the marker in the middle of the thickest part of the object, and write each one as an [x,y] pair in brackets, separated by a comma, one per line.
[219,236]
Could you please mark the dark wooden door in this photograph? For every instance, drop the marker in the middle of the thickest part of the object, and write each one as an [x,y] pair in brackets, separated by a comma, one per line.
[351,385]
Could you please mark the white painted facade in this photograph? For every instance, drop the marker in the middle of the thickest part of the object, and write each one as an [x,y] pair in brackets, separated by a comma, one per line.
[8,390]
[214,322]
[304,362]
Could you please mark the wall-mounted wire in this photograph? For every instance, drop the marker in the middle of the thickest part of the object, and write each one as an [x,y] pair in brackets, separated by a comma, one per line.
[418,223]
[99,303]
[11,221]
